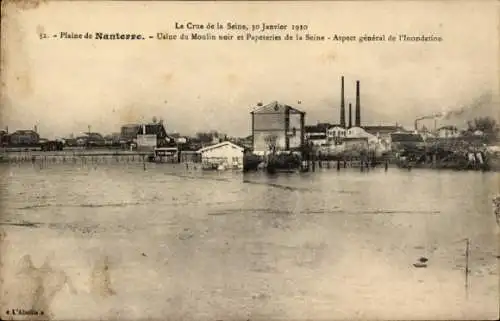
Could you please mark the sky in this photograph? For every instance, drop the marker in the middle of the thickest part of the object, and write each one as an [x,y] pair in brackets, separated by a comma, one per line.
[63,86]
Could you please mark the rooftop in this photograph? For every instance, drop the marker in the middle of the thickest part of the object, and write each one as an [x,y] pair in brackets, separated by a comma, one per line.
[276,107]
[382,128]
[406,137]
[449,127]
[226,143]
[25,132]
[319,127]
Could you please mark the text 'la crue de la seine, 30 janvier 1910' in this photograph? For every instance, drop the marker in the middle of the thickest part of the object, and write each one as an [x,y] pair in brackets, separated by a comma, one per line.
[242,32]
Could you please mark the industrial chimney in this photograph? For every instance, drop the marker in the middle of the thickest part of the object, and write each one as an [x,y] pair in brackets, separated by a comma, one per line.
[358,106]
[350,115]
[342,106]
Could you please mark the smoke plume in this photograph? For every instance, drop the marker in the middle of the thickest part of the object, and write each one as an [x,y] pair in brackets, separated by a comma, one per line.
[483,100]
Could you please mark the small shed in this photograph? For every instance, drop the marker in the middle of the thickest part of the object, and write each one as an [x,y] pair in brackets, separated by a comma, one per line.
[225,154]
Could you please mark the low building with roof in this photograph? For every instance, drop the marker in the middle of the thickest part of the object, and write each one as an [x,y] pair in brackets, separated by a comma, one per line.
[317,134]
[383,132]
[448,132]
[225,154]
[24,137]
[401,140]
[335,133]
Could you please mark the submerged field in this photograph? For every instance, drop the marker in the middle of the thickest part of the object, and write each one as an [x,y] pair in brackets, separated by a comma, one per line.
[174,243]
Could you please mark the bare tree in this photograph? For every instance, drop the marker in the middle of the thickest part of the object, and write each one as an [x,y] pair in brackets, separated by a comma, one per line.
[271,141]
[487,125]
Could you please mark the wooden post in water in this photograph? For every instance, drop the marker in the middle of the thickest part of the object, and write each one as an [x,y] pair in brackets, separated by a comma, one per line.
[338,165]
[386,165]
[467,245]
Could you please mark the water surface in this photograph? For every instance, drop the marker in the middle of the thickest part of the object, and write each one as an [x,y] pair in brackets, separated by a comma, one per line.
[171,242]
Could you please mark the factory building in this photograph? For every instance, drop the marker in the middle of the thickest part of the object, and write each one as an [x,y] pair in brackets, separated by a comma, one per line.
[336,132]
[277,127]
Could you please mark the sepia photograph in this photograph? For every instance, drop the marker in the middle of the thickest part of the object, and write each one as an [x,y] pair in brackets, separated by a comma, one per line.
[250,160]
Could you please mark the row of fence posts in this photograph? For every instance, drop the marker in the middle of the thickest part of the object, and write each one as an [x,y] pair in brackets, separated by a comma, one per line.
[91,160]
[74,159]
[364,164]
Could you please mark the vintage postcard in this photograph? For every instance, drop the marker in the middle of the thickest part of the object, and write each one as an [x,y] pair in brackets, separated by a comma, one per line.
[302,160]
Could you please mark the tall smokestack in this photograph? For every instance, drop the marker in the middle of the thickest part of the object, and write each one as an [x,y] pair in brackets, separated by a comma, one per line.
[358,106]
[342,105]
[350,115]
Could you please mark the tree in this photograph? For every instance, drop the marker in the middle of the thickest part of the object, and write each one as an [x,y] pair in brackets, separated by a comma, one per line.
[487,125]
[271,141]
[204,137]
[209,136]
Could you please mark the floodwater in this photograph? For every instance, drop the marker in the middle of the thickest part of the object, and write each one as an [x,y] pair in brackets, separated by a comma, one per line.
[117,241]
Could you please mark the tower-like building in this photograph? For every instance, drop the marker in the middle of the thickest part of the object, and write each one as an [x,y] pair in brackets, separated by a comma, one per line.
[358,106]
[342,103]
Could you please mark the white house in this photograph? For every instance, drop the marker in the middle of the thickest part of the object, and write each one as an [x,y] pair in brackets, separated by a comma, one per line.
[180,140]
[146,142]
[335,133]
[448,132]
[478,133]
[224,154]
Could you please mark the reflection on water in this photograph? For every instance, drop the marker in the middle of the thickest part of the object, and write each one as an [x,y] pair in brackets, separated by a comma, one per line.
[174,242]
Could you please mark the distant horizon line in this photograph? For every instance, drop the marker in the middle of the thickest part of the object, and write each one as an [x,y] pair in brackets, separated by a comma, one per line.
[395,124]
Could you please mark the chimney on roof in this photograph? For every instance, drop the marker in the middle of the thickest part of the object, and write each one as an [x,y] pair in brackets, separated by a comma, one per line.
[358,106]
[350,115]
[342,106]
